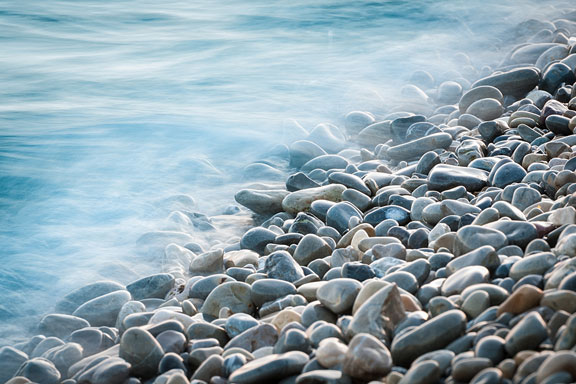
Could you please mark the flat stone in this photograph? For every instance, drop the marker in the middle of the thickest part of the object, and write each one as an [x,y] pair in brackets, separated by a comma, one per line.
[435,334]
[154,286]
[139,348]
[325,162]
[292,340]
[517,82]
[338,295]
[484,256]
[61,326]
[301,201]
[324,376]
[534,264]
[472,237]
[350,181]
[465,277]
[444,177]
[270,368]
[103,310]
[418,147]
[479,93]
[74,299]
[233,295]
[262,202]
[394,212]
[507,174]
[367,358]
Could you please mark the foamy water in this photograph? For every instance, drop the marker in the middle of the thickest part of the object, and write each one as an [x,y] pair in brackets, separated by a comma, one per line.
[113,114]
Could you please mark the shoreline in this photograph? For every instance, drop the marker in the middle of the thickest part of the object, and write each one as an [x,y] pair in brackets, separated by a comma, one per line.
[442,248]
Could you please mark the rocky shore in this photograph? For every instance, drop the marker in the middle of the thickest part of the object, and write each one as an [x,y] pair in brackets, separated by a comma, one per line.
[434,244]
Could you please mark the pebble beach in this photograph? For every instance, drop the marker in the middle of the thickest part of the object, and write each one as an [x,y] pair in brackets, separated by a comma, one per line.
[433,244]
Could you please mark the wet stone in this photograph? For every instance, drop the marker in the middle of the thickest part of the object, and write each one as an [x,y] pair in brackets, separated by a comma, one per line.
[435,334]
[444,177]
[338,295]
[270,368]
[527,334]
[310,248]
[367,358]
[280,265]
[139,348]
[339,215]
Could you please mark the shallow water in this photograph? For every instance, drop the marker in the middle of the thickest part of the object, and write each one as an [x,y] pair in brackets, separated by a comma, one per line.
[110,110]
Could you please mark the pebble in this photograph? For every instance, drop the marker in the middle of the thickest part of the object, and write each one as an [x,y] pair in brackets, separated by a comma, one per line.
[527,334]
[270,368]
[311,247]
[234,295]
[516,82]
[10,360]
[262,202]
[103,310]
[378,309]
[338,295]
[443,177]
[434,334]
[367,358]
[280,265]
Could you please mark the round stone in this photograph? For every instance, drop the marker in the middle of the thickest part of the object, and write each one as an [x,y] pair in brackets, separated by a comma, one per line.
[338,295]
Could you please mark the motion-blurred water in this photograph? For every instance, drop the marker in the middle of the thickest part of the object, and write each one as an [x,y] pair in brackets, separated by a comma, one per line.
[110,110]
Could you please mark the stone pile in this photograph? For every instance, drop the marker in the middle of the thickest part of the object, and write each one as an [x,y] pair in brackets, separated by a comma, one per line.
[407,248]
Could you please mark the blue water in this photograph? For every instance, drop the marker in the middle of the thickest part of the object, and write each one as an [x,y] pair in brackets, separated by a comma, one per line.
[110,111]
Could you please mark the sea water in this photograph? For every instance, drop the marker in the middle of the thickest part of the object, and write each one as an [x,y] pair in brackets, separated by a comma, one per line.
[115,114]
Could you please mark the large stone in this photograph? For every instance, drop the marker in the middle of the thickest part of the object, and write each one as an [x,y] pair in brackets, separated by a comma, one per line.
[74,299]
[233,295]
[443,177]
[465,277]
[339,215]
[61,326]
[434,334]
[418,147]
[154,286]
[103,310]
[301,201]
[265,202]
[516,82]
[111,370]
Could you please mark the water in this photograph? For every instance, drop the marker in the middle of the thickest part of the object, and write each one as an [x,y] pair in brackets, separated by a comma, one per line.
[111,111]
